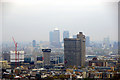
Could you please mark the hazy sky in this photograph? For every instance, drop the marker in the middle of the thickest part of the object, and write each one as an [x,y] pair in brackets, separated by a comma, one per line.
[33,19]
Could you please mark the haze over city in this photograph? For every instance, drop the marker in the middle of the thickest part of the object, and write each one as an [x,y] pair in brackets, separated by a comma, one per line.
[27,20]
[59,39]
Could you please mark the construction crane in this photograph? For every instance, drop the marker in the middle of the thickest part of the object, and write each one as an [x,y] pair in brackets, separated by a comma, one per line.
[15,52]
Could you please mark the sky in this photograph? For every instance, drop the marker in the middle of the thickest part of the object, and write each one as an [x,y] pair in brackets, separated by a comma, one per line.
[28,20]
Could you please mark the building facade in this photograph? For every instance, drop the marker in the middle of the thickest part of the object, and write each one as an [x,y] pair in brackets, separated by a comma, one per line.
[74,50]
[46,57]
[17,58]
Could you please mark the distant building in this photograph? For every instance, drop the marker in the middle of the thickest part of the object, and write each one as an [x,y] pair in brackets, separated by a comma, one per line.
[106,42]
[34,43]
[51,36]
[46,56]
[39,58]
[96,62]
[4,64]
[115,45]
[39,61]
[6,56]
[65,34]
[59,59]
[74,36]
[87,41]
[74,50]
[54,38]
[27,59]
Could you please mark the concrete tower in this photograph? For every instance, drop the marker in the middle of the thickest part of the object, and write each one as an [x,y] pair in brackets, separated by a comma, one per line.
[74,50]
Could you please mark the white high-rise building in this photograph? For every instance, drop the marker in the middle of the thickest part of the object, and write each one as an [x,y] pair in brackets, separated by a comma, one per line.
[17,58]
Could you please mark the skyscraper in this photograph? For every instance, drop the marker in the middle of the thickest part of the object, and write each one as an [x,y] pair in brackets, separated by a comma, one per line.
[65,34]
[50,36]
[34,43]
[74,50]
[54,38]
[87,41]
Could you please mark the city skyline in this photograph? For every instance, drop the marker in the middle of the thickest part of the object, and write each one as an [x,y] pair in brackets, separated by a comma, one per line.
[28,21]
[59,39]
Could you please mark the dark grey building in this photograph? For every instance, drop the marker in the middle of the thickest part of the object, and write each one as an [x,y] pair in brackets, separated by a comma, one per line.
[54,38]
[74,50]
[65,34]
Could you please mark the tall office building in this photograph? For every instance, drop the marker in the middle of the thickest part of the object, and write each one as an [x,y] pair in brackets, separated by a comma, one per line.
[51,36]
[87,41]
[54,38]
[34,43]
[74,50]
[65,34]
[46,56]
